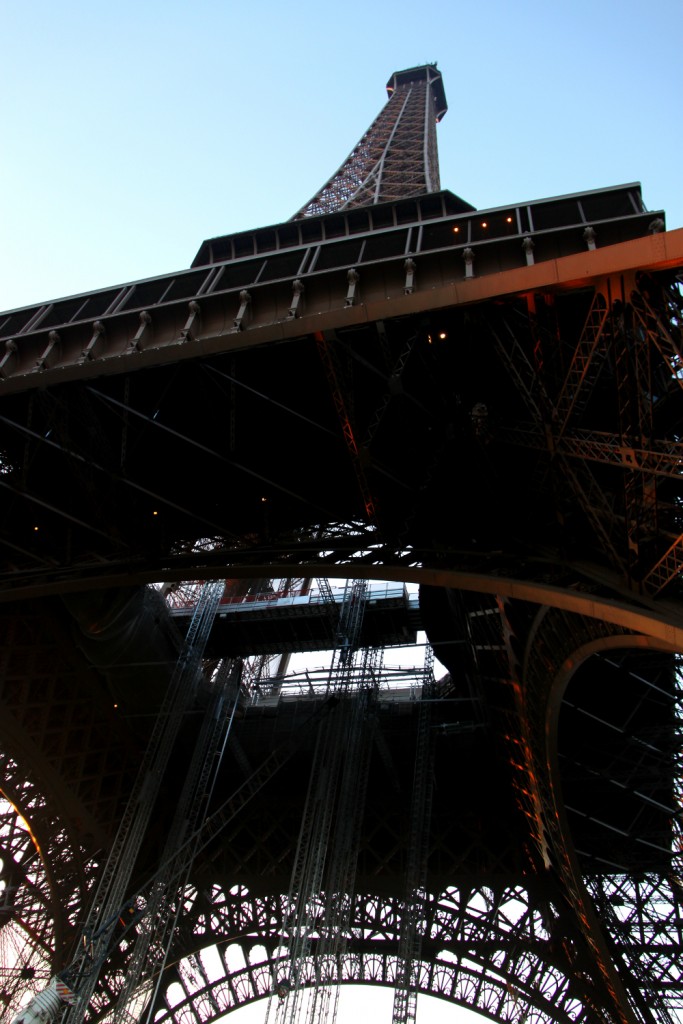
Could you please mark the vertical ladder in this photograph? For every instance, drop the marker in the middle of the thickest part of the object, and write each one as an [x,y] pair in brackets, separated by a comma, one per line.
[113,885]
[330,760]
[164,904]
[340,877]
[410,940]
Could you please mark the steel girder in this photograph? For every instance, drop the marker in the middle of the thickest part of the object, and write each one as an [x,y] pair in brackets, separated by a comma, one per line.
[248,300]
[623,359]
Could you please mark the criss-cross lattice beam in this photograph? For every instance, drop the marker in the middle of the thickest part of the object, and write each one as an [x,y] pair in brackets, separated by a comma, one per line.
[585,365]
[27,909]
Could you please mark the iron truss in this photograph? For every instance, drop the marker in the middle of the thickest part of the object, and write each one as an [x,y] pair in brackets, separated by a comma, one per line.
[629,355]
[571,399]
[540,667]
[397,156]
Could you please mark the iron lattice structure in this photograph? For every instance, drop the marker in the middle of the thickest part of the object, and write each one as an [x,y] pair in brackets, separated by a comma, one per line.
[486,404]
[397,157]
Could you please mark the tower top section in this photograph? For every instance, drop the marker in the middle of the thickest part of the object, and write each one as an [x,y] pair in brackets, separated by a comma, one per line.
[423,73]
[397,157]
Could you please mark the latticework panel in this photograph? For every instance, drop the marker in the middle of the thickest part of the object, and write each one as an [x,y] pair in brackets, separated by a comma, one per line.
[26,910]
[491,949]
[504,942]
[45,878]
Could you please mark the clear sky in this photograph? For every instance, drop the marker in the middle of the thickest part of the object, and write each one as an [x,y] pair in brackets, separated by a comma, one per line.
[133,130]
[361,1004]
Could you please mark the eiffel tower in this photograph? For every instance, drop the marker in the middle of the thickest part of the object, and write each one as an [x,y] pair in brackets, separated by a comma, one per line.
[390,390]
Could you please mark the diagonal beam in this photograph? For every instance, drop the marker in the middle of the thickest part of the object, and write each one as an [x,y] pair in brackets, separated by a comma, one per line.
[665,336]
[667,568]
[207,451]
[329,363]
[218,530]
[585,365]
[661,458]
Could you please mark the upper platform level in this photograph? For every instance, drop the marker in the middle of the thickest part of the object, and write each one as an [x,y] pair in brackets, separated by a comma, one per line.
[437,225]
[276,621]
[424,73]
[441,217]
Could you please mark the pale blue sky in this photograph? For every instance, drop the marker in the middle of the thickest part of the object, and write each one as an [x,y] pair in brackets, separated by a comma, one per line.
[131,131]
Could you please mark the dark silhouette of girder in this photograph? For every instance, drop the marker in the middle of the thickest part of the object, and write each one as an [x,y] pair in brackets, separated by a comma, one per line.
[485,403]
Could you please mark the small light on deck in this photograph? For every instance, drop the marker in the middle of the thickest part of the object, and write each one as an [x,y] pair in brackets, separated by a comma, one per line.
[442,335]
[484,224]
[456,229]
[508,220]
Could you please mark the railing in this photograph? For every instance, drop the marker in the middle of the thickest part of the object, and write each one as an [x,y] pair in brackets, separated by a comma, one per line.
[184,601]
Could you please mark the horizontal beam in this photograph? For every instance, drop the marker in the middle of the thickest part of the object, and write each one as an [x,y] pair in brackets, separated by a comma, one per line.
[658,624]
[123,342]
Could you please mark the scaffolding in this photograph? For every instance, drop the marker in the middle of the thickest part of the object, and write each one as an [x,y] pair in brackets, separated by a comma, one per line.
[106,909]
[318,924]
[164,905]
[324,866]
[410,939]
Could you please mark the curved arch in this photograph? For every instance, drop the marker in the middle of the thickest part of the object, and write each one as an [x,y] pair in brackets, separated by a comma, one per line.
[633,950]
[661,619]
[556,646]
[41,858]
[29,915]
[455,984]
[486,949]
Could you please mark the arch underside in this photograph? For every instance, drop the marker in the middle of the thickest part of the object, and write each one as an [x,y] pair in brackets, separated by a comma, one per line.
[575,945]
[484,947]
[557,644]
[589,604]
